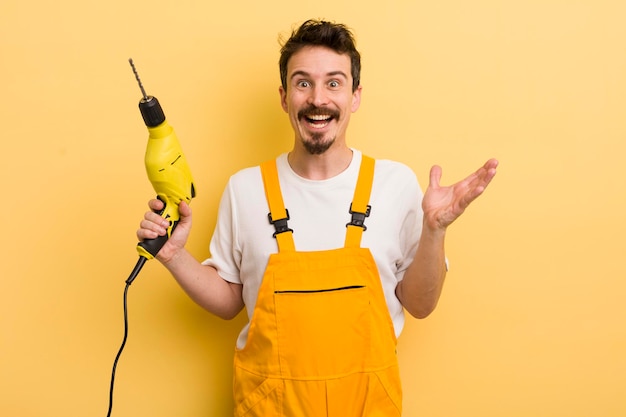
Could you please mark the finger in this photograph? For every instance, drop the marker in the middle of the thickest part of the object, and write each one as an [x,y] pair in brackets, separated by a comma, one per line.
[481,180]
[158,225]
[156,205]
[152,217]
[488,171]
[144,233]
[492,163]
[435,176]
[483,175]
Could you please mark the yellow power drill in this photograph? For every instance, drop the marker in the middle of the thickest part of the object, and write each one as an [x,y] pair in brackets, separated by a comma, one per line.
[171,179]
[167,170]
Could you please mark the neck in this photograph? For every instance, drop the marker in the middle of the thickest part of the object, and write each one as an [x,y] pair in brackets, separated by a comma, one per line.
[320,167]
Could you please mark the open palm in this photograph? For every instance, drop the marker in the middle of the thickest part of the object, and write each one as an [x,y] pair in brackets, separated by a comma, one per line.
[443,205]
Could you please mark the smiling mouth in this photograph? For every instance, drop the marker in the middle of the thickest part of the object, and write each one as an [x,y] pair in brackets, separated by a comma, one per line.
[318,121]
[317,117]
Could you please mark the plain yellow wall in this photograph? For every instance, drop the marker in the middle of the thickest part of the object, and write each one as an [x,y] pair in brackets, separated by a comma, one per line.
[532,320]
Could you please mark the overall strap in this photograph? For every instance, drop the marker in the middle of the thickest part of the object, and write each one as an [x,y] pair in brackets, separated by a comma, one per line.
[359,209]
[278,215]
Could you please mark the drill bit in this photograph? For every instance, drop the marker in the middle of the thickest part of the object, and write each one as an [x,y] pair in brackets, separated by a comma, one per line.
[145,96]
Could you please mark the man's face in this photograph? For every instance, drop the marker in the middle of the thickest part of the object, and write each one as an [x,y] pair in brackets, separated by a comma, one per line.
[319,97]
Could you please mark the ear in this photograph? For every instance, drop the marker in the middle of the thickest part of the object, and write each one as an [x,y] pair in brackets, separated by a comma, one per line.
[356,99]
[283,98]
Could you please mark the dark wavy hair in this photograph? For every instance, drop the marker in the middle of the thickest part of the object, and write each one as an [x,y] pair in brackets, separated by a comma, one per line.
[321,33]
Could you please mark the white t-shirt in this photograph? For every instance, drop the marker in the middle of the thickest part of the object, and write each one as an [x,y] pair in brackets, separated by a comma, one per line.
[318,210]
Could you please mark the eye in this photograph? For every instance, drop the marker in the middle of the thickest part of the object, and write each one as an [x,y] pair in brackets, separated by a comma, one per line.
[303,84]
[334,84]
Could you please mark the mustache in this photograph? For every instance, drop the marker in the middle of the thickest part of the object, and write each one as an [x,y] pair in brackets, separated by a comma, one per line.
[313,110]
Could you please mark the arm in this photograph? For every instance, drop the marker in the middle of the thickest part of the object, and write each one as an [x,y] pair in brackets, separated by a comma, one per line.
[201,282]
[420,289]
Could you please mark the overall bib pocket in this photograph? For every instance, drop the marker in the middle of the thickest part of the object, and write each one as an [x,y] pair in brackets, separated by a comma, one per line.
[322,319]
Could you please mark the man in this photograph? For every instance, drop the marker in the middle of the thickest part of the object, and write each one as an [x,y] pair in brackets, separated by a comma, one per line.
[324,246]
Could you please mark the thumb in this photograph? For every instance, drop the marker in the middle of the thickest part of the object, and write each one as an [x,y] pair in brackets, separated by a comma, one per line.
[185,211]
[435,176]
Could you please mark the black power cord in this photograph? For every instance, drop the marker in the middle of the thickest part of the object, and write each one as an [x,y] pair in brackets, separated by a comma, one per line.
[129,281]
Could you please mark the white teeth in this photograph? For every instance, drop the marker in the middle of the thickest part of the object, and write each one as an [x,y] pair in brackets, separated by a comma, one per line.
[319,117]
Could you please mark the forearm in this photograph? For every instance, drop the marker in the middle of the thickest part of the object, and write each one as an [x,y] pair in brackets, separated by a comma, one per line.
[421,286]
[204,285]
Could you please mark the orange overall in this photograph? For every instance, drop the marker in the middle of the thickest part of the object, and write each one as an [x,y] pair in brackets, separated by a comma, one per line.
[321,341]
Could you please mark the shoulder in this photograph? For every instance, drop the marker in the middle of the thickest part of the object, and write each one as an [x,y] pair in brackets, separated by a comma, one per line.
[391,167]
[394,174]
[251,176]
[246,178]
[246,173]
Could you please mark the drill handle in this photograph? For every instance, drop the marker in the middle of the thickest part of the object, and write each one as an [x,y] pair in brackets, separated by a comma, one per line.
[149,248]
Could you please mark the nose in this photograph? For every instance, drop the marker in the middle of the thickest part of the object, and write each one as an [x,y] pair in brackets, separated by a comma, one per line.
[318,96]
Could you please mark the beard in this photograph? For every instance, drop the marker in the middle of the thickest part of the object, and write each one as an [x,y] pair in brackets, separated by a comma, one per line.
[316,144]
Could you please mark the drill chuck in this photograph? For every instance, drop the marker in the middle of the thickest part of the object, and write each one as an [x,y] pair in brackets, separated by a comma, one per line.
[151,111]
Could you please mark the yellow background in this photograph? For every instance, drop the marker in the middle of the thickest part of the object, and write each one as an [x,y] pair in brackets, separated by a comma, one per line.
[532,320]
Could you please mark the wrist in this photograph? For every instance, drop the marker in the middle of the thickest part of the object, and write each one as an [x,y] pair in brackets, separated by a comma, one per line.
[169,256]
[433,230]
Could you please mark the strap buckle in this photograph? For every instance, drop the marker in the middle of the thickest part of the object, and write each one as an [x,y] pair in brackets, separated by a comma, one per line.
[358,219]
[280,224]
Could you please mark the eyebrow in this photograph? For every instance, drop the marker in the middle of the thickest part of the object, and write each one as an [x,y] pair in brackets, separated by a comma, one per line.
[330,74]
